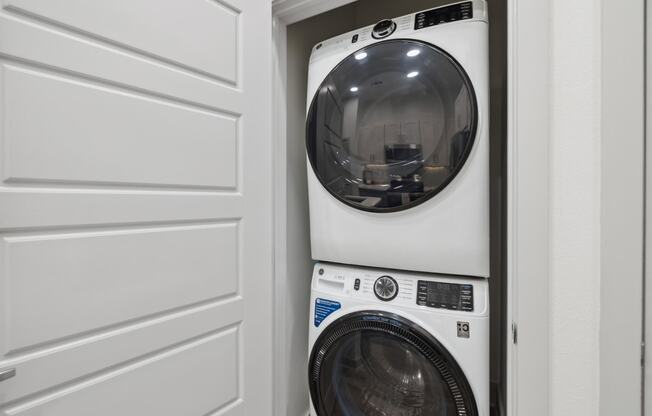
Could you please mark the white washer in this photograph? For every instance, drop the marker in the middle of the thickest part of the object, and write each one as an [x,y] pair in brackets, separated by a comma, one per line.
[393,343]
[397,143]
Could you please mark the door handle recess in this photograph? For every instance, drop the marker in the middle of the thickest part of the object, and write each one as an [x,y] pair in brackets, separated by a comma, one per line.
[7,374]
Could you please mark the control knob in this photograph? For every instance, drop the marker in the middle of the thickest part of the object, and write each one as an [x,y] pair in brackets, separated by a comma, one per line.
[383,29]
[385,288]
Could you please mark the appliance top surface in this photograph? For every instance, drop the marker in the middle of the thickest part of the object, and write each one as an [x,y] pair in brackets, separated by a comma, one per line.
[422,22]
[416,292]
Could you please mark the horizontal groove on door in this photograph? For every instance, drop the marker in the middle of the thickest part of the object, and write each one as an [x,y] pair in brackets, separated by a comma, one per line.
[15,183]
[21,208]
[152,38]
[89,228]
[91,353]
[84,132]
[204,368]
[111,84]
[111,65]
[231,409]
[100,333]
[116,275]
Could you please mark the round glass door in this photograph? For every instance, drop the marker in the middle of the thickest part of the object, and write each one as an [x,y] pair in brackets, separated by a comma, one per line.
[376,364]
[391,125]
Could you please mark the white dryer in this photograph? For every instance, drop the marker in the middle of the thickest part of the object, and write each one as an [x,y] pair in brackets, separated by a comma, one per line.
[397,142]
[392,343]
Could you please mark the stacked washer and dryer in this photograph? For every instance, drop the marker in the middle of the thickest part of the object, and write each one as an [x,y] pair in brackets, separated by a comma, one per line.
[397,140]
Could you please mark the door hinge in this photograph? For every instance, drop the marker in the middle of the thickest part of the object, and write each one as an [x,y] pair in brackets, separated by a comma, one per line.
[514,333]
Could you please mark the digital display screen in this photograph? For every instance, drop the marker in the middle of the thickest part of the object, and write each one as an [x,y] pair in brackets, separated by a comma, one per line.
[445,295]
[460,11]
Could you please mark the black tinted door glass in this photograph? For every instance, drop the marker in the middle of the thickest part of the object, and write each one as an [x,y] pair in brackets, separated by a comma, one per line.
[391,125]
[369,364]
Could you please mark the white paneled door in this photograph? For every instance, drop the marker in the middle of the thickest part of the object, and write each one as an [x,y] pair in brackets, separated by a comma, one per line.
[135,208]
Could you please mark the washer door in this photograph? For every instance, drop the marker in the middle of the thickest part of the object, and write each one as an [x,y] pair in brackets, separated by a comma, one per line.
[378,364]
[391,125]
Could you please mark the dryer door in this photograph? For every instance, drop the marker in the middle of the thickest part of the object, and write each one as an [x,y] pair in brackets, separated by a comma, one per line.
[391,125]
[375,364]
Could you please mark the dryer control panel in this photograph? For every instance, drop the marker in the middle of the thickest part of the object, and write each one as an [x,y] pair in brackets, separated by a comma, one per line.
[402,27]
[446,14]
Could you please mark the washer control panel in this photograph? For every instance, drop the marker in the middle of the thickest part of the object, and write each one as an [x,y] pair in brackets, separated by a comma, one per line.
[446,14]
[410,290]
[443,295]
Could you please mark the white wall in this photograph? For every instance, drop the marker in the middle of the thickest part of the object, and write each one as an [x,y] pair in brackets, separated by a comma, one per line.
[596,207]
[574,272]
[622,206]
[578,67]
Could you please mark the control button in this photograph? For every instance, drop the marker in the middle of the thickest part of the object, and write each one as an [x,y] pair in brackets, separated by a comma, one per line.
[354,39]
[383,29]
[356,284]
[466,305]
[385,288]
